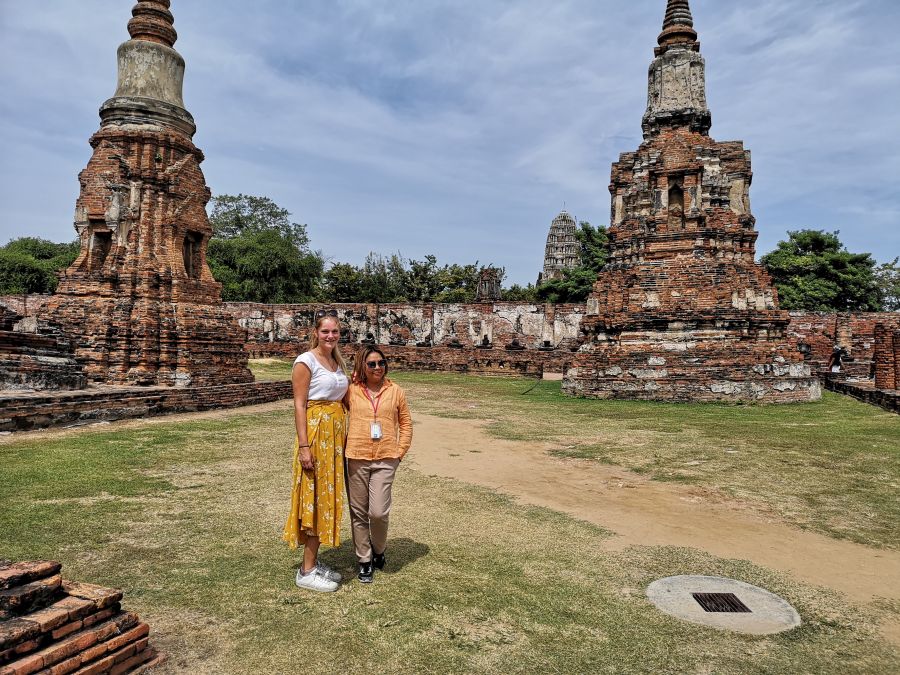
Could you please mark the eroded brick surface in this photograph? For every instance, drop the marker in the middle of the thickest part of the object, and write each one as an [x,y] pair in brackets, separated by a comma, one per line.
[84,630]
[140,300]
[682,312]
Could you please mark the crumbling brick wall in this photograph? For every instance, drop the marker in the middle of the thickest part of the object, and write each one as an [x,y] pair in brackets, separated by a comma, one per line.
[887,365]
[282,330]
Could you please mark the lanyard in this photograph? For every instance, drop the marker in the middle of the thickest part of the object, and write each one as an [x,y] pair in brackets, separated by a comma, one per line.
[376,401]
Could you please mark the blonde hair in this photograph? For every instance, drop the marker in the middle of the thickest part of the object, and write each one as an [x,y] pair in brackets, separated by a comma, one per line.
[314,340]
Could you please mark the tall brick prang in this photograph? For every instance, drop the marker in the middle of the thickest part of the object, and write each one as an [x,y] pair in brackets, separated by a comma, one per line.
[681,311]
[140,299]
[561,251]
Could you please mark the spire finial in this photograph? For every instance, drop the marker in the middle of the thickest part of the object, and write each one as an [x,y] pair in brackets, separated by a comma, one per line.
[678,26]
[678,12]
[677,78]
[153,22]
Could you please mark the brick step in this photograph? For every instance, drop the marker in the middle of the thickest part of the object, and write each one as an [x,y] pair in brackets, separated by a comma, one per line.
[84,606]
[111,638]
[16,574]
[27,597]
[130,658]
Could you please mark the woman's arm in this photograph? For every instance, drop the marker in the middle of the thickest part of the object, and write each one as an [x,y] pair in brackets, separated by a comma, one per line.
[404,423]
[346,398]
[300,379]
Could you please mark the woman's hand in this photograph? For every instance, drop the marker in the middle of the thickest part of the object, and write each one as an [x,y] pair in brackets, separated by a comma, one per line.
[306,460]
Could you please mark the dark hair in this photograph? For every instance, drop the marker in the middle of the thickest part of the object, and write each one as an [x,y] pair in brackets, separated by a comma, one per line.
[359,364]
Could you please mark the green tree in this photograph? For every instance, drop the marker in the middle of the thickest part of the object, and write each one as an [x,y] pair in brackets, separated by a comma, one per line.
[458,283]
[517,293]
[423,281]
[32,265]
[887,279]
[576,283]
[234,215]
[594,243]
[258,254]
[814,271]
[342,283]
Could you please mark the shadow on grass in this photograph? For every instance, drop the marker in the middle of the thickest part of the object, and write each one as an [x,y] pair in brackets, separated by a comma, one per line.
[400,553]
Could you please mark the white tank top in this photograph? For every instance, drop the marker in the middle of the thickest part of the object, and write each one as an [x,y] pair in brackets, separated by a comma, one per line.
[324,384]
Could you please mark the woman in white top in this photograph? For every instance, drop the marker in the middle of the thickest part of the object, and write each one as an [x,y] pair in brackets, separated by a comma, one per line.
[317,495]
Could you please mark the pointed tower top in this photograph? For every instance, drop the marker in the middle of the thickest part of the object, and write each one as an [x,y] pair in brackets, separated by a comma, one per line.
[678,12]
[678,26]
[677,78]
[151,73]
[153,22]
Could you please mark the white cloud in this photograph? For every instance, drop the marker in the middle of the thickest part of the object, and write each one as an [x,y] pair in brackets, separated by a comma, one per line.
[460,128]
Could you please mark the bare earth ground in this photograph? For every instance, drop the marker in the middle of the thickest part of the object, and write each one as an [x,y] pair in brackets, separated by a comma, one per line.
[644,512]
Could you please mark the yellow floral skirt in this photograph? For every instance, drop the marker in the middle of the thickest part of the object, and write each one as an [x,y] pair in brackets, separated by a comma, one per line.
[317,495]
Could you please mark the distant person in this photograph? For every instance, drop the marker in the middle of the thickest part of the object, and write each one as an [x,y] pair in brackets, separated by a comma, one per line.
[317,493]
[834,361]
[380,435]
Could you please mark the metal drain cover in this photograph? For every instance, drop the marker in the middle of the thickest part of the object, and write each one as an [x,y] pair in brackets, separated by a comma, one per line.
[723,603]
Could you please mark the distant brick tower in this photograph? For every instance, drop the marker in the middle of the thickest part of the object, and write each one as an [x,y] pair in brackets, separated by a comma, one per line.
[561,252]
[681,311]
[140,300]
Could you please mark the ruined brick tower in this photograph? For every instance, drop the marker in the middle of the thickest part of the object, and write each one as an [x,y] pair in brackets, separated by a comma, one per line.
[561,252]
[682,312]
[140,300]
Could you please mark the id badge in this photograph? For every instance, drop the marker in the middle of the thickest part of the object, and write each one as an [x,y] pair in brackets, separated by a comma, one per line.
[375,430]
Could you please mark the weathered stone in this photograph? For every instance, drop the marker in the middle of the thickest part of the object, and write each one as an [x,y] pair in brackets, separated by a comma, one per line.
[488,289]
[140,296]
[36,355]
[681,284]
[562,250]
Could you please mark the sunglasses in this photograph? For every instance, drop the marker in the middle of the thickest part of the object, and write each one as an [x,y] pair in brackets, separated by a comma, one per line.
[381,363]
[326,312]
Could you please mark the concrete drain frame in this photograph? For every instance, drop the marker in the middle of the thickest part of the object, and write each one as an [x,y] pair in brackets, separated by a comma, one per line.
[726,604]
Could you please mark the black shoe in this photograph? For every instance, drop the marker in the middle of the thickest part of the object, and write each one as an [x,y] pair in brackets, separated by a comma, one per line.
[378,560]
[365,572]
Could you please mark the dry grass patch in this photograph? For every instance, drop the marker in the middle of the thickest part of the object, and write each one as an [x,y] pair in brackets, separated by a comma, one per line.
[831,466]
[186,517]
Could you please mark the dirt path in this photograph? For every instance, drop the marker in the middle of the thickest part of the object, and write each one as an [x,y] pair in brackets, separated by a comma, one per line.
[644,512]
[639,511]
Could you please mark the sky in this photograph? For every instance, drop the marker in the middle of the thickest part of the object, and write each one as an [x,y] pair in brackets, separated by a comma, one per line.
[460,128]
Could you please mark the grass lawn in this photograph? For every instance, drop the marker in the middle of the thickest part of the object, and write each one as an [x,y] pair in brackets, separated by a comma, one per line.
[831,466]
[186,517]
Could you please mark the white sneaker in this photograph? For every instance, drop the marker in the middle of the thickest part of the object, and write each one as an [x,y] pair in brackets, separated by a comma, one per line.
[329,573]
[314,580]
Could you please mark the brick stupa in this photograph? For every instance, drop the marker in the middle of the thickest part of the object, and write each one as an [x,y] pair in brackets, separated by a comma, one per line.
[140,299]
[682,312]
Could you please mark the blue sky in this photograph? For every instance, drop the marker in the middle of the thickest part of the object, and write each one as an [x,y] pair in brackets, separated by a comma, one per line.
[461,127]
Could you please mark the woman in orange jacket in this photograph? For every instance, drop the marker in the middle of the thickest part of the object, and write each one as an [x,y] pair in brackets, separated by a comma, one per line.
[380,433]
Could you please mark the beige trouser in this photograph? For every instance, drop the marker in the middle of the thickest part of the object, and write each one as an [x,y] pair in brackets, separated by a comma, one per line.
[369,491]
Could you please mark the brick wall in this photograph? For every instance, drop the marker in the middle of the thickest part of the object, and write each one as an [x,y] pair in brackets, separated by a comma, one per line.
[855,331]
[283,330]
[522,338]
[22,412]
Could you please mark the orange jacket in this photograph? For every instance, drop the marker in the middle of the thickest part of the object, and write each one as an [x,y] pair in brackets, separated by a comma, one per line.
[393,414]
